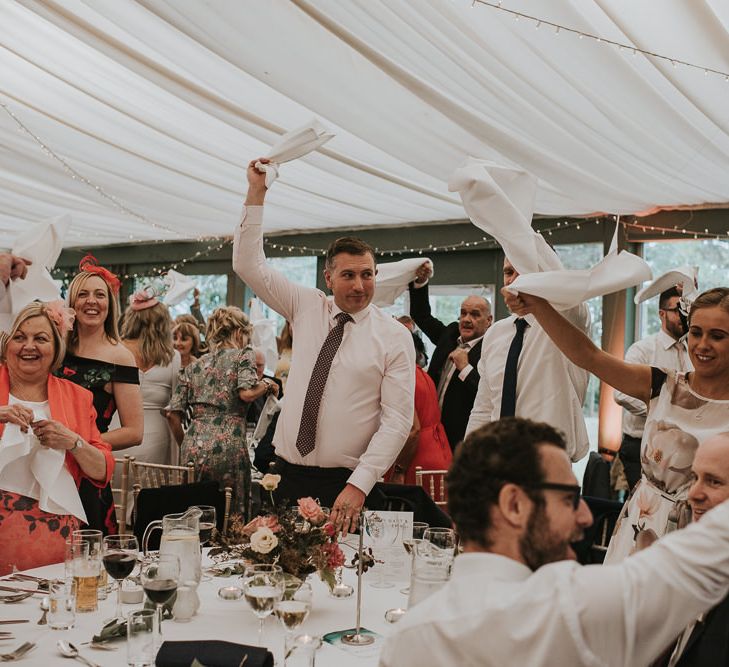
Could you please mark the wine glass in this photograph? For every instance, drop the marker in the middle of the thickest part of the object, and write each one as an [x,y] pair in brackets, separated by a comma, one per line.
[160,576]
[383,535]
[444,539]
[263,587]
[207,523]
[120,556]
[293,609]
[419,527]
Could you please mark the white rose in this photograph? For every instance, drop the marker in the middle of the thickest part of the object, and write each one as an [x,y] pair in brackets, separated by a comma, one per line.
[270,482]
[263,541]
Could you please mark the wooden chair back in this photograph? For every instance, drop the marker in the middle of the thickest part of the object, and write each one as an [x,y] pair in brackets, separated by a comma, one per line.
[121,492]
[157,475]
[433,481]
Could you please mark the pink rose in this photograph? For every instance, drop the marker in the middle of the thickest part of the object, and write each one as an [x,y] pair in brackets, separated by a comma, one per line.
[310,510]
[268,521]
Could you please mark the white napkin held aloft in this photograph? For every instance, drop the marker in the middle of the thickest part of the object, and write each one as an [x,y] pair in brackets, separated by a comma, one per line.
[292,145]
[566,289]
[178,286]
[41,244]
[500,201]
[264,335]
[686,276]
[393,279]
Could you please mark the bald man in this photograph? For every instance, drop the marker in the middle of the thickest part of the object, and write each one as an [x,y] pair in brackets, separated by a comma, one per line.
[706,641]
[456,355]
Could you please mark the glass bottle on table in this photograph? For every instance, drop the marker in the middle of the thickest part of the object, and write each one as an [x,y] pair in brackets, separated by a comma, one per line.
[120,557]
[263,587]
[160,576]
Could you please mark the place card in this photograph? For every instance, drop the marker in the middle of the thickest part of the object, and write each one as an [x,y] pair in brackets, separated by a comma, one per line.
[396,527]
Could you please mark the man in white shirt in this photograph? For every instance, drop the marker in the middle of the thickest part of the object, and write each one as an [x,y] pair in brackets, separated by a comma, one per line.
[665,349]
[548,387]
[351,388]
[517,597]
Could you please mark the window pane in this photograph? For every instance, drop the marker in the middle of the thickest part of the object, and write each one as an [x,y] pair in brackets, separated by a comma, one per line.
[710,255]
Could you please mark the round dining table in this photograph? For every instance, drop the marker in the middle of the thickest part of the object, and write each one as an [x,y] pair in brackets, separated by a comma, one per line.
[228,620]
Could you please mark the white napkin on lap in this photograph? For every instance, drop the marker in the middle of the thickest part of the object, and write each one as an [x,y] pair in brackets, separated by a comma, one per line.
[292,145]
[28,468]
[500,201]
[393,279]
[42,244]
[683,275]
[566,289]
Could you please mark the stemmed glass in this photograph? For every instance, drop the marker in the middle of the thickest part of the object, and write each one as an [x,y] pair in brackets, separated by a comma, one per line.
[442,538]
[419,527]
[383,535]
[263,587]
[293,609]
[160,576]
[120,556]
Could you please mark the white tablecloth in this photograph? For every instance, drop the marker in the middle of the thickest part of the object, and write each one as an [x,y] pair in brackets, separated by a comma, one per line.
[217,619]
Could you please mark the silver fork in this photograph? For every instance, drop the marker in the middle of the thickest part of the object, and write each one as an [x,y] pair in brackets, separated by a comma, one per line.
[18,652]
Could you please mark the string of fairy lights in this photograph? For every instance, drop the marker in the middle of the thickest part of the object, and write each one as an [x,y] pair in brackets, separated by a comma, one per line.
[582,34]
[484,243]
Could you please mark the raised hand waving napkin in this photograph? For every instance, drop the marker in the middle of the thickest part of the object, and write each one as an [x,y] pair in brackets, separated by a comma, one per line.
[393,279]
[292,145]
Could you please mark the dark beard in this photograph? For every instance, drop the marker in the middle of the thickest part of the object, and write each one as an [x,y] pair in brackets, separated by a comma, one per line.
[538,545]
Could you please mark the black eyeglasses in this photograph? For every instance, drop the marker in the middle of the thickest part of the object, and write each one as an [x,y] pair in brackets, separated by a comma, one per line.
[574,489]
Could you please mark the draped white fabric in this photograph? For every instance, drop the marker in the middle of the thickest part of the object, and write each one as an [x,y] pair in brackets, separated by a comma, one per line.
[161,103]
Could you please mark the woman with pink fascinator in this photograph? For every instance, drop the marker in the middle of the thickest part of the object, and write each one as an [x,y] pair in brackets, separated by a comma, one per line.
[49,442]
[97,360]
[147,334]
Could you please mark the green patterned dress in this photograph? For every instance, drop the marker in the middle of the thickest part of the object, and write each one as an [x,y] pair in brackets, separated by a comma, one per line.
[215,441]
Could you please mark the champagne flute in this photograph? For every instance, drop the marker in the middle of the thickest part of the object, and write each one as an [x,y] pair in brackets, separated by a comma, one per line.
[263,587]
[120,556]
[160,576]
[419,527]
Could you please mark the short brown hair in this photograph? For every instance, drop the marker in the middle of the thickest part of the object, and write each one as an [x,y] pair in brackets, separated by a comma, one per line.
[188,330]
[349,244]
[712,298]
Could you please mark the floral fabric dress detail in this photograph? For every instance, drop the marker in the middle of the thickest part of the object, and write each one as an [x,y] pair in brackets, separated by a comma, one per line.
[215,441]
[678,421]
[94,375]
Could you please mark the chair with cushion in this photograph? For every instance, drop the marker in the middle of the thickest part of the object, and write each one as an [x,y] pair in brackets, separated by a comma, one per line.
[433,481]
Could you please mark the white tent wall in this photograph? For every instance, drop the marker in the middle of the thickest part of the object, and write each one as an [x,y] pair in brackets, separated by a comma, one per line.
[158,105]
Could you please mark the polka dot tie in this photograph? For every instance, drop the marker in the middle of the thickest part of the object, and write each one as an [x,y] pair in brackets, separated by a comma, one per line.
[306,439]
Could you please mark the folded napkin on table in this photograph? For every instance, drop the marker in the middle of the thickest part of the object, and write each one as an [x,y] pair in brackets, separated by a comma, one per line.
[212,654]
[292,145]
[393,279]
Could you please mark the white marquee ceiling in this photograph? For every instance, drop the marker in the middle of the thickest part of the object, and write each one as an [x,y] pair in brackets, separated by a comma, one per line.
[160,104]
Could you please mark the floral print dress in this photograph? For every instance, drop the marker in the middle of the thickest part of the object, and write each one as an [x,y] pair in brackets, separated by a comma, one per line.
[678,420]
[216,439]
[94,375]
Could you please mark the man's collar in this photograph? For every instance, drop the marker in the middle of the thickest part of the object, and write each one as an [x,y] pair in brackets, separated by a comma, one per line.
[667,341]
[500,567]
[530,319]
[334,310]
[469,343]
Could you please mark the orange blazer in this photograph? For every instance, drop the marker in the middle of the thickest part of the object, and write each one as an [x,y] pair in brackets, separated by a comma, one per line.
[72,406]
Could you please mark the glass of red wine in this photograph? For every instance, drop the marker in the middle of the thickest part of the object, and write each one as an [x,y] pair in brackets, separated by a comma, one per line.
[119,556]
[160,576]
[207,523]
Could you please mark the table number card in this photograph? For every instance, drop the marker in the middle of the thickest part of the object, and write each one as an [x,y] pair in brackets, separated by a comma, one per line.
[395,527]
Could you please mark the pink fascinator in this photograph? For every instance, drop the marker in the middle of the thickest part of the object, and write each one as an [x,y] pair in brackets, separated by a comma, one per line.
[89,264]
[62,316]
[144,298]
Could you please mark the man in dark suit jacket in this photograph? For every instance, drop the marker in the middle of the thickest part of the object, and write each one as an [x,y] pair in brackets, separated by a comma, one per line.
[707,641]
[456,355]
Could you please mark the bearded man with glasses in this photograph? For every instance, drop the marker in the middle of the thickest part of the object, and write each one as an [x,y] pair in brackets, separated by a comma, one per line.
[517,596]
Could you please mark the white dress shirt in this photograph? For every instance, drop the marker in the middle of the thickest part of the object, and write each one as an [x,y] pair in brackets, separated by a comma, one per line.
[549,388]
[495,612]
[659,350]
[368,401]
